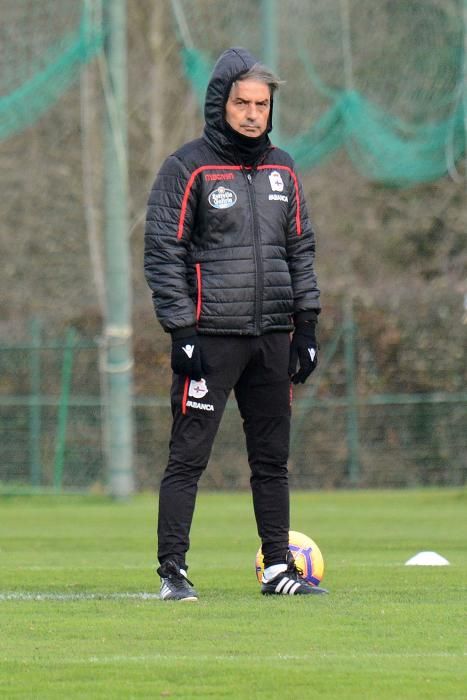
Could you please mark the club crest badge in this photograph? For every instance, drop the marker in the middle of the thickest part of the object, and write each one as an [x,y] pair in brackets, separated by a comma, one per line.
[222,198]
[198,389]
[277,184]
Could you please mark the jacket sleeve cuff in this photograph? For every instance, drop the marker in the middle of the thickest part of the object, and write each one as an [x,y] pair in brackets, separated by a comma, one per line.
[180,333]
[305,317]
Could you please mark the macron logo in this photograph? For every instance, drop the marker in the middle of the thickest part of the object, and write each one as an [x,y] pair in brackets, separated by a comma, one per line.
[312,352]
[188,349]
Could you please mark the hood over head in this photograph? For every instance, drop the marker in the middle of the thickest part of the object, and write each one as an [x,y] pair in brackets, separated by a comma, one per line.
[229,66]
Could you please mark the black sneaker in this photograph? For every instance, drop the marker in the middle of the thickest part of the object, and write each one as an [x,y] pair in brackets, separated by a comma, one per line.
[290,582]
[174,583]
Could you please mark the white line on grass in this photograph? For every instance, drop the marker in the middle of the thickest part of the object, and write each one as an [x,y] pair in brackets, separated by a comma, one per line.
[236,658]
[267,657]
[53,567]
[71,597]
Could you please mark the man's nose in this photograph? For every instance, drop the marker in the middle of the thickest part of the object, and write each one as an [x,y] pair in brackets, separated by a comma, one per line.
[252,111]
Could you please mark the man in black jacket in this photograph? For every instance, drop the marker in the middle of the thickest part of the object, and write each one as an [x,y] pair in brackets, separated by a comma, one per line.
[229,258]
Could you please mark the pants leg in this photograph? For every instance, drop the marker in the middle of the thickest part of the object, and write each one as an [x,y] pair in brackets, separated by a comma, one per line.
[197,409]
[191,442]
[263,396]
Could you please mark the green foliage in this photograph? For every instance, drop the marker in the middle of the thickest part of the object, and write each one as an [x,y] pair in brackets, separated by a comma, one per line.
[384,631]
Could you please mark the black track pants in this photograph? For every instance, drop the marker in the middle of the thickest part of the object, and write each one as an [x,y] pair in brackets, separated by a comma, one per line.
[256,368]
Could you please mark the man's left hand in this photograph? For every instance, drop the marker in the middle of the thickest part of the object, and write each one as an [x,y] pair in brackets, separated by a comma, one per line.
[304,350]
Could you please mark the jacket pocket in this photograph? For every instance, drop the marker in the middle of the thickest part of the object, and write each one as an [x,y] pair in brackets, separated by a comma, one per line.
[199,294]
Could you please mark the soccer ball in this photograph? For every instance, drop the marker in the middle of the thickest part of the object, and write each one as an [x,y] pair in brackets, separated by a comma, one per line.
[307,555]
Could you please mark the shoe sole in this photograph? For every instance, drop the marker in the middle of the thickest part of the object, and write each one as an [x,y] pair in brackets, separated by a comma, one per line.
[315,591]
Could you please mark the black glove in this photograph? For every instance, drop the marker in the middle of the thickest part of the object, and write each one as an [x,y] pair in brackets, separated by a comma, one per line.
[186,358]
[303,349]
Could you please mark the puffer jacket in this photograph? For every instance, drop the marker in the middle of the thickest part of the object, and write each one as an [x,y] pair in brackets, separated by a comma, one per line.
[228,248]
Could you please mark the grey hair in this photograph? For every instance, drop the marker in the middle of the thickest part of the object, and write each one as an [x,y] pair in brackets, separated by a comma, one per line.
[262,74]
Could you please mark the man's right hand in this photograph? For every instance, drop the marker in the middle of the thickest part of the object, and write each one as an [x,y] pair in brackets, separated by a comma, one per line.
[186,358]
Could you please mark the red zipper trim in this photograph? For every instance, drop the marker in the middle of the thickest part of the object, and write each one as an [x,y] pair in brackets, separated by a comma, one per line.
[185,394]
[190,182]
[199,283]
[298,223]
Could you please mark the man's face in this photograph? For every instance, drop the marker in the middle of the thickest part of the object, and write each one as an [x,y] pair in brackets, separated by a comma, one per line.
[248,106]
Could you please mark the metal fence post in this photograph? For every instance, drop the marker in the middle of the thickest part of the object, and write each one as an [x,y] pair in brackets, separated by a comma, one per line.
[352,406]
[271,21]
[118,330]
[309,399]
[35,468]
[62,418]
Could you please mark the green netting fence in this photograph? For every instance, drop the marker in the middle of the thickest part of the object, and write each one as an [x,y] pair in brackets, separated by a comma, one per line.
[44,46]
[387,81]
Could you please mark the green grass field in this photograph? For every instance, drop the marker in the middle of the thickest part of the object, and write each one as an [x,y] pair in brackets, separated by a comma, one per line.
[75,622]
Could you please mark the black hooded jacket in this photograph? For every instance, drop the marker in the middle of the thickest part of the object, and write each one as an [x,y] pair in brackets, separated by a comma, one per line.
[228,248]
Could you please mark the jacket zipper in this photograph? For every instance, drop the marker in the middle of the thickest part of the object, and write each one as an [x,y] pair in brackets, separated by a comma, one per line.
[259,272]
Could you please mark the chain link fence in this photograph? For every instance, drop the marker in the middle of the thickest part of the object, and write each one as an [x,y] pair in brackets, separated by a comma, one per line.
[53,436]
